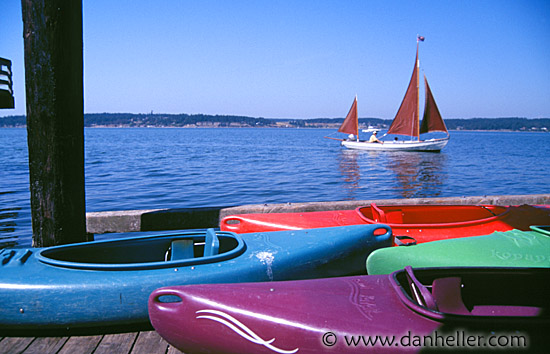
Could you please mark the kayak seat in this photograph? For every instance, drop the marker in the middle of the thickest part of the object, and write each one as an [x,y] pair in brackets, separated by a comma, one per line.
[447,293]
[378,214]
[419,291]
[182,249]
[211,243]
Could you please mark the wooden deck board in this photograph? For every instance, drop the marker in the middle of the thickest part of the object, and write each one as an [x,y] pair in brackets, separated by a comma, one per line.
[116,343]
[13,345]
[144,342]
[172,350]
[150,343]
[81,344]
[42,345]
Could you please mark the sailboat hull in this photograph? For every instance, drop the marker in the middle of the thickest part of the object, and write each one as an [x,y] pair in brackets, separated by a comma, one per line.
[426,145]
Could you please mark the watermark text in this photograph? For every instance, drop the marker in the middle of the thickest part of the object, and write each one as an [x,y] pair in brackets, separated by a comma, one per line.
[458,339]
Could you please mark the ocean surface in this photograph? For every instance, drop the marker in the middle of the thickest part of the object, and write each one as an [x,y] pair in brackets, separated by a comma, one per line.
[150,168]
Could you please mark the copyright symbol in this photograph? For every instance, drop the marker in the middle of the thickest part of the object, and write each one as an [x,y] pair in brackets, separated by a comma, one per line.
[329,339]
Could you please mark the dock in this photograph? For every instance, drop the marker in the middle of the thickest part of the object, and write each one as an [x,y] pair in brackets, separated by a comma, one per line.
[147,341]
[128,221]
[143,342]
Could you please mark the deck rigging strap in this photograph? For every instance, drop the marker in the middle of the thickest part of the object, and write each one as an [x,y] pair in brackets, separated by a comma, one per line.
[489,210]
[399,242]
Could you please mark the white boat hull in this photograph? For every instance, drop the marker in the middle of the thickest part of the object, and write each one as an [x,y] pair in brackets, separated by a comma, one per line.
[426,145]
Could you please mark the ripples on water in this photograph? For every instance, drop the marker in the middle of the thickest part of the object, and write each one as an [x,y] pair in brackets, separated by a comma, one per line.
[15,213]
[178,168]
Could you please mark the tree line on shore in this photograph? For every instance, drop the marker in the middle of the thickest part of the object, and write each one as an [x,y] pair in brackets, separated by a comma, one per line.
[203,120]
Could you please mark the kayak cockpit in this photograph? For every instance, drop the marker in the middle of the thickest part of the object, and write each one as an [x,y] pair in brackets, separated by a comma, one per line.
[146,252]
[462,293]
[542,229]
[426,215]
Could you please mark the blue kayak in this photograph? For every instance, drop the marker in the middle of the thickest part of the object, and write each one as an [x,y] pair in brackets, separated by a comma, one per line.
[107,283]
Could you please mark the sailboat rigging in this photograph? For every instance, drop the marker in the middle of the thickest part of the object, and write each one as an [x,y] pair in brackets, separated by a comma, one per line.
[406,121]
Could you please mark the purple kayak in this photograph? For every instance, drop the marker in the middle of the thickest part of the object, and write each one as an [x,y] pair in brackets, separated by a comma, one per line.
[406,311]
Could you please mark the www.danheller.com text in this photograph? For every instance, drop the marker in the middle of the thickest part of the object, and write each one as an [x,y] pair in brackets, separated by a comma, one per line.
[457,339]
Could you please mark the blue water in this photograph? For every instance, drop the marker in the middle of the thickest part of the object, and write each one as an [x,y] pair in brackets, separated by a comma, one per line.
[154,168]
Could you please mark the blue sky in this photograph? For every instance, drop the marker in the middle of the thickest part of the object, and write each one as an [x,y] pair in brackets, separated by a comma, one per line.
[305,59]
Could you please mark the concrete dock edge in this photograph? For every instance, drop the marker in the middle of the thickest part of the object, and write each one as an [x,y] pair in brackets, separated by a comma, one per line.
[196,218]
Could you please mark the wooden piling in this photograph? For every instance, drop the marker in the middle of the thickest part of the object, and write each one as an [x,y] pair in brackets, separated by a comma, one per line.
[55,119]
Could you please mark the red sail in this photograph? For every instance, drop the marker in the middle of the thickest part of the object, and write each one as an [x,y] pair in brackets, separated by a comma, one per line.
[432,121]
[350,125]
[406,120]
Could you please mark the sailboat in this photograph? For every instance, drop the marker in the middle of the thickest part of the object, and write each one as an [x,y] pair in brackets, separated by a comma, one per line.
[406,121]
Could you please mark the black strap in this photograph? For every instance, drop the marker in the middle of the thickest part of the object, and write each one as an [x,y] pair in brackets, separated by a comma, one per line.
[398,241]
[489,210]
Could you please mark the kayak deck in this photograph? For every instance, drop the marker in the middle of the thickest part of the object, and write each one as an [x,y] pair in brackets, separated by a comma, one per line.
[418,223]
[81,286]
[285,316]
[512,248]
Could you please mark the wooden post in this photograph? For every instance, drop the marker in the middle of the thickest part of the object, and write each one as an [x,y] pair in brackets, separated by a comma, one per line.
[55,119]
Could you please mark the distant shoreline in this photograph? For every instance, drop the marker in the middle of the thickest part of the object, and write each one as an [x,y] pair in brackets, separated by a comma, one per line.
[325,128]
[130,120]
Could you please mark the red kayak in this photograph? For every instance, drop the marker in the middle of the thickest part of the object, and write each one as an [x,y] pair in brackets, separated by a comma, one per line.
[406,311]
[409,223]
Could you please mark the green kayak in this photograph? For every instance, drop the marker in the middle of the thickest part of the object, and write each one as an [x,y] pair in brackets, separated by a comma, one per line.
[500,249]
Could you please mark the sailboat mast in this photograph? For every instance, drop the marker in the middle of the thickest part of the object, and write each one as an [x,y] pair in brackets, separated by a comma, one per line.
[406,121]
[356,119]
[417,125]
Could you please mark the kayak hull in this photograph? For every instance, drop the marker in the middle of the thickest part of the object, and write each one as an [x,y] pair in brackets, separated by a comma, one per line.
[412,223]
[326,315]
[500,249]
[108,282]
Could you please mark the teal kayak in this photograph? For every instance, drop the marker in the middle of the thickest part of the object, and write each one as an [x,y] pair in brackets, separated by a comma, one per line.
[108,283]
[500,249]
